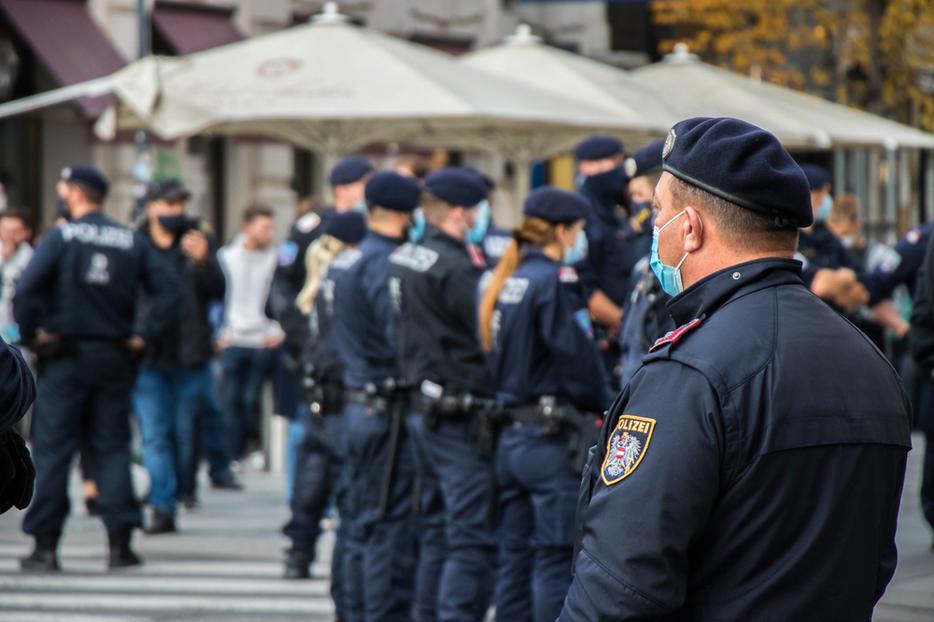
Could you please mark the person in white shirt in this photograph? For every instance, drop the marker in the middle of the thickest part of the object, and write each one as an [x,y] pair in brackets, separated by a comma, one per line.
[248,338]
[15,253]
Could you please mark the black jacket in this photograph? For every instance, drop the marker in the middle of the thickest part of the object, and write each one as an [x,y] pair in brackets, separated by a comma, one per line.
[921,336]
[188,342]
[752,469]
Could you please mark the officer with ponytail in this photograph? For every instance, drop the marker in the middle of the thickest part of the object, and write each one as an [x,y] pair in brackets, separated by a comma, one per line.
[549,380]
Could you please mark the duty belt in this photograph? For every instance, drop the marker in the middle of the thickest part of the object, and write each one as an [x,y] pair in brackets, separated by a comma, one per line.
[376,401]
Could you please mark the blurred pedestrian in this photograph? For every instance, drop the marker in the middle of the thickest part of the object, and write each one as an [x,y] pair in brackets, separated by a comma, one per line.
[174,382]
[432,291]
[380,562]
[549,380]
[15,253]
[688,508]
[248,338]
[76,303]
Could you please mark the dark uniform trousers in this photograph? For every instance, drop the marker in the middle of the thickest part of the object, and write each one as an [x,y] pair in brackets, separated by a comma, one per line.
[320,474]
[379,564]
[537,502]
[457,545]
[86,389]
[926,423]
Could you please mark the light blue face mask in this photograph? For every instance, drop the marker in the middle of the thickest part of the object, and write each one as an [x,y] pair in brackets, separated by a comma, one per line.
[481,223]
[668,276]
[360,206]
[578,252]
[417,230]
[826,206]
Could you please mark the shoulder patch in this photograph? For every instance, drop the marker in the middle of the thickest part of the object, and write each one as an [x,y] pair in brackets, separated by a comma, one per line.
[495,245]
[414,257]
[288,252]
[345,259]
[913,236]
[513,291]
[626,448]
[674,336]
[567,274]
[308,222]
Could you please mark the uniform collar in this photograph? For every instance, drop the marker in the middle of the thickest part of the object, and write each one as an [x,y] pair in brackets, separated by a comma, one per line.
[434,233]
[385,239]
[713,291]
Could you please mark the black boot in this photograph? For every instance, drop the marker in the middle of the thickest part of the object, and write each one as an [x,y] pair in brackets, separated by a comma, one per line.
[44,557]
[121,555]
[297,565]
[162,522]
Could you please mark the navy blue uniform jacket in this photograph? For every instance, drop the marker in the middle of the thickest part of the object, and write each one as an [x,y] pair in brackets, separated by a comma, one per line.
[751,469]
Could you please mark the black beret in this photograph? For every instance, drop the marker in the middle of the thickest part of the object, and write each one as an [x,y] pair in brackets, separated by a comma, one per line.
[349,170]
[348,227]
[598,148]
[87,176]
[456,186]
[647,159]
[555,205]
[392,191]
[170,190]
[818,176]
[741,163]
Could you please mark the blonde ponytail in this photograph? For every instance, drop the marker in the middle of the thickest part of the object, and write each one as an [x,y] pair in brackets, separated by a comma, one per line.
[317,259]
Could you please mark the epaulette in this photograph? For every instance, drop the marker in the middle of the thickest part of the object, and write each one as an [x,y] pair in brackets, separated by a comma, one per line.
[674,336]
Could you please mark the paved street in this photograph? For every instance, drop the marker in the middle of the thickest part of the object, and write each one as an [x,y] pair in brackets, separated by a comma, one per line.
[225,565]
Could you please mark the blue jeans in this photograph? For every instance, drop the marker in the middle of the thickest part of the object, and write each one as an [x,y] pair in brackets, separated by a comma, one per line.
[167,401]
[537,505]
[214,431]
[244,372]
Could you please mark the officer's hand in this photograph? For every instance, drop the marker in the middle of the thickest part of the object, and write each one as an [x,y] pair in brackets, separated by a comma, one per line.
[44,338]
[195,245]
[17,474]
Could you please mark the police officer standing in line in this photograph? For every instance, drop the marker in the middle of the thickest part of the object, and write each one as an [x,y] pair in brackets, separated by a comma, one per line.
[549,380]
[645,317]
[690,507]
[320,455]
[610,257]
[432,288]
[381,557]
[76,304]
[491,238]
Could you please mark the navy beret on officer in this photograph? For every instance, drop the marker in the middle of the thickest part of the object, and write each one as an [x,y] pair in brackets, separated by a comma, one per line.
[87,176]
[741,163]
[456,186]
[348,227]
[647,159]
[818,176]
[349,170]
[169,190]
[392,191]
[555,205]
[598,148]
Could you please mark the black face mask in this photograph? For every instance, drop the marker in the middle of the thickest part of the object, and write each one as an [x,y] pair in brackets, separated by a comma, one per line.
[178,224]
[61,209]
[608,188]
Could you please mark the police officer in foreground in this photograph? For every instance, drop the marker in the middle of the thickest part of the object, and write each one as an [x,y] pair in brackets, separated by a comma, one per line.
[76,304]
[549,381]
[381,557]
[432,288]
[17,392]
[752,468]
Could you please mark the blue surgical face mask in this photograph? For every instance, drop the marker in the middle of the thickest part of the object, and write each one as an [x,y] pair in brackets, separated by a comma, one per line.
[826,206]
[417,230]
[481,223]
[578,252]
[360,206]
[668,276]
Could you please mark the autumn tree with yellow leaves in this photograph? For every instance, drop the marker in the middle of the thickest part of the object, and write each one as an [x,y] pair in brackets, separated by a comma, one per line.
[874,54]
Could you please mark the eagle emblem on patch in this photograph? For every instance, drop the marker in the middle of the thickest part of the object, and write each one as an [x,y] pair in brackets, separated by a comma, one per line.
[626,448]
[669,143]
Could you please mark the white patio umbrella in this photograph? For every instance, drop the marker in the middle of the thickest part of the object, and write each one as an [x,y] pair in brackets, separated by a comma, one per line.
[333,87]
[696,89]
[525,59]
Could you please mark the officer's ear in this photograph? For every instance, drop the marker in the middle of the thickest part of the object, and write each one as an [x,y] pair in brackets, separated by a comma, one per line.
[693,229]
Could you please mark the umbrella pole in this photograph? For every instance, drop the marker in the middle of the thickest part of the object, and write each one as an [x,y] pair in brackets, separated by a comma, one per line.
[522,179]
[325,161]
